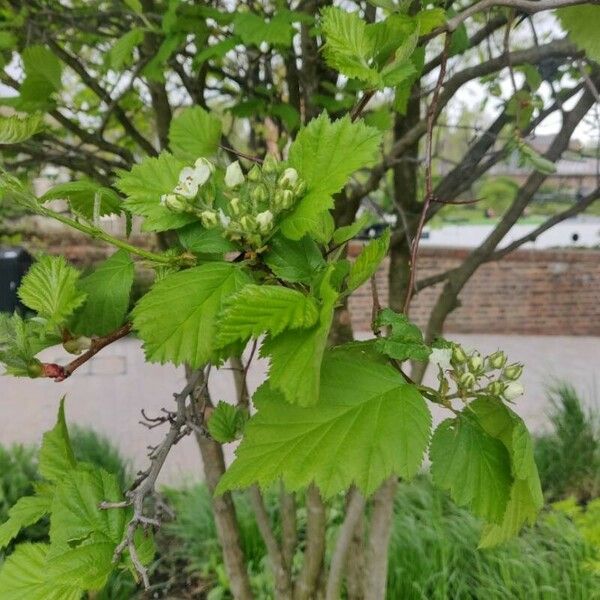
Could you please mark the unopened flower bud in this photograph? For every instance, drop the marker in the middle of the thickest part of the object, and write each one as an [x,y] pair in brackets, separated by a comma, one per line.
[513,390]
[496,360]
[234,206]
[260,193]
[475,363]
[300,189]
[288,178]
[265,221]
[209,218]
[247,223]
[287,199]
[173,202]
[234,176]
[77,345]
[513,372]
[466,380]
[270,165]
[495,388]
[458,355]
[35,369]
[254,174]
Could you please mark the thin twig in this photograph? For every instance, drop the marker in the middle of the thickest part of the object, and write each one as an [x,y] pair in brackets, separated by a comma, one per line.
[241,154]
[431,115]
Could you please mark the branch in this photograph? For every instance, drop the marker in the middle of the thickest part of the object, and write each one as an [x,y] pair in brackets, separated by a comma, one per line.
[146,481]
[60,373]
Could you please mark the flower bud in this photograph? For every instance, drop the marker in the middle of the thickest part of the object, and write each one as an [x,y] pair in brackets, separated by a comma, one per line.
[234,176]
[77,345]
[300,189]
[270,165]
[513,390]
[35,369]
[475,363]
[247,224]
[496,360]
[259,193]
[265,221]
[173,202]
[466,380]
[254,174]
[288,179]
[209,218]
[495,388]
[458,355]
[234,206]
[513,372]
[287,199]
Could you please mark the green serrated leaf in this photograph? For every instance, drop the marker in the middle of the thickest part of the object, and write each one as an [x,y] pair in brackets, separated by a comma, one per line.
[194,133]
[403,341]
[50,288]
[43,73]
[15,129]
[56,455]
[258,309]
[368,261]
[473,466]
[296,261]
[296,356]
[581,22]
[369,425]
[121,54]
[325,154]
[82,196]
[25,576]
[145,184]
[176,319]
[108,290]
[226,422]
[253,30]
[195,238]
[27,511]
[343,234]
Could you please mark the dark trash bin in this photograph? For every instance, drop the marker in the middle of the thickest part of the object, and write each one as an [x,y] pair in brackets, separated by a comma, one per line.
[14,263]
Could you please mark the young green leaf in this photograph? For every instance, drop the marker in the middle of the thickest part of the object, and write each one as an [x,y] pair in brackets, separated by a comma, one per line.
[368,261]
[43,73]
[121,54]
[369,425]
[194,133]
[176,319]
[343,234]
[296,261]
[50,288]
[253,30]
[226,423]
[15,129]
[25,576]
[195,238]
[108,289]
[258,309]
[27,511]
[56,455]
[145,184]
[404,340]
[83,196]
[325,153]
[581,23]
[296,356]
[473,466]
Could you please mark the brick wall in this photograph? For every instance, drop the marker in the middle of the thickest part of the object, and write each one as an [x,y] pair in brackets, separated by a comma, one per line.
[545,292]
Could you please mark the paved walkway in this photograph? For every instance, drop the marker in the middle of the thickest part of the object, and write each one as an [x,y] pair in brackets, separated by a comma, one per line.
[109,392]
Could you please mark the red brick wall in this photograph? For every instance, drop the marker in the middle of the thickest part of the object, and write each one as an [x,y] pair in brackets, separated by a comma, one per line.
[545,292]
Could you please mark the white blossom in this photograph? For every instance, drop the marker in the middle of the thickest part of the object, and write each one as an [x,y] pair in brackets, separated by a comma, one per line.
[191,179]
[513,390]
[234,175]
[288,178]
[264,220]
[441,358]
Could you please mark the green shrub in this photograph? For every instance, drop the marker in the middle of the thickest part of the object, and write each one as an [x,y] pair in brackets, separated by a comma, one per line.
[568,457]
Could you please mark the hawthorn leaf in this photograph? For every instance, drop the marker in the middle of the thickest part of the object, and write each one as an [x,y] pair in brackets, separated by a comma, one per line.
[43,75]
[108,290]
[404,340]
[145,184]
[176,319]
[258,309]
[253,29]
[368,261]
[226,422]
[82,196]
[325,153]
[296,355]
[343,234]
[581,23]
[121,53]
[15,129]
[56,454]
[27,511]
[194,132]
[195,238]
[473,466]
[297,261]
[369,425]
[24,576]
[50,288]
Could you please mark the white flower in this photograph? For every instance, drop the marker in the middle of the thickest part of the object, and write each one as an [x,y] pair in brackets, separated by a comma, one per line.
[513,390]
[441,358]
[224,219]
[288,178]
[192,178]
[234,175]
[264,220]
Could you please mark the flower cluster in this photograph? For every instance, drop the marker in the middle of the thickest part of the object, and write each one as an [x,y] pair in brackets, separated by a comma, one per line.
[244,207]
[473,374]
